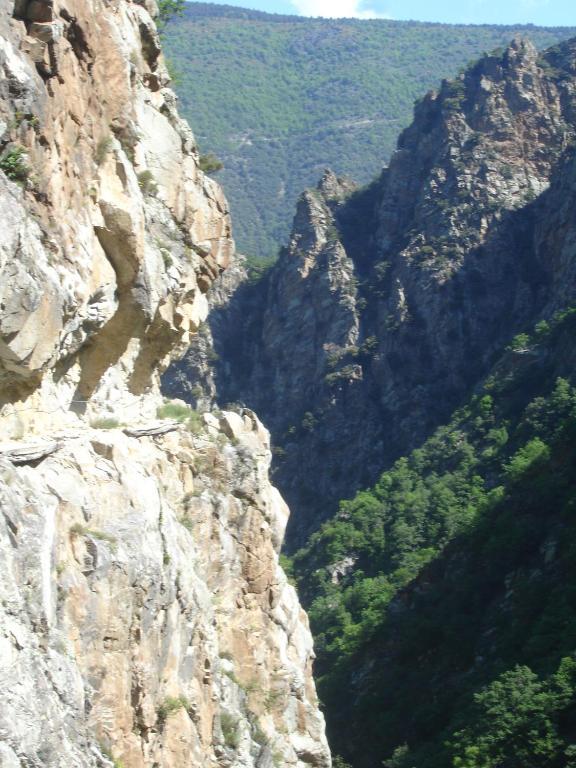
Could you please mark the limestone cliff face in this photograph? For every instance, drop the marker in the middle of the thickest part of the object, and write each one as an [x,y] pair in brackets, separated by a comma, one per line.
[144,613]
[145,620]
[118,235]
[390,303]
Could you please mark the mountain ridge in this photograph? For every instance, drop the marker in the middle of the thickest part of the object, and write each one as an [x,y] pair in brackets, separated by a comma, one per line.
[388,303]
[217,10]
[275,137]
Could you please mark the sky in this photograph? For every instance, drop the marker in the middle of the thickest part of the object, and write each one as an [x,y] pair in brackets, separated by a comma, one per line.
[548,13]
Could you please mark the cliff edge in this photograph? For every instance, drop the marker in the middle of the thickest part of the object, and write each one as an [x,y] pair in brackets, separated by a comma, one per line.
[145,620]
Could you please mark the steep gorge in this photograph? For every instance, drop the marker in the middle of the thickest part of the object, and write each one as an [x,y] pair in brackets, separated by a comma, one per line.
[429,318]
[390,302]
[145,620]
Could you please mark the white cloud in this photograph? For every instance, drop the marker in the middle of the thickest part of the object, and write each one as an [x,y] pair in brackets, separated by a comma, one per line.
[336,9]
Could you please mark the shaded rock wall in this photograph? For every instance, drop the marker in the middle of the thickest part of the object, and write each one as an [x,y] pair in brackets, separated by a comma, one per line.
[389,303]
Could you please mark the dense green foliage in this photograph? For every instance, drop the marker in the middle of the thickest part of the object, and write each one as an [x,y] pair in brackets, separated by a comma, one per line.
[210,163]
[280,98]
[516,720]
[168,10]
[14,164]
[449,588]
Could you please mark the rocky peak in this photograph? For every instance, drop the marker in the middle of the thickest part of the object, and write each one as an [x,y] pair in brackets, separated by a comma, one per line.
[388,303]
[314,223]
[333,188]
[486,142]
[309,229]
[315,275]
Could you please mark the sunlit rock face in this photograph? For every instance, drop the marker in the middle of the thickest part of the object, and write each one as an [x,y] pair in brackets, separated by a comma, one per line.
[145,621]
[113,235]
[144,613]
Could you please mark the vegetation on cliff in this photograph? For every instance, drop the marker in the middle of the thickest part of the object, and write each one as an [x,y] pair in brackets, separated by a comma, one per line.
[443,598]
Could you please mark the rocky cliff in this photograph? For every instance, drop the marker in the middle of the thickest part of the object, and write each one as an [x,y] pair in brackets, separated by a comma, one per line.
[145,619]
[194,377]
[117,233]
[390,302]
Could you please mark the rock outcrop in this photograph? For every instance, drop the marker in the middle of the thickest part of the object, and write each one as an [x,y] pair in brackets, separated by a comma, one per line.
[390,303]
[194,377]
[145,620]
[118,234]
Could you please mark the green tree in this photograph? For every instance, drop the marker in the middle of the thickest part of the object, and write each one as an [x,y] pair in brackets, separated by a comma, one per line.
[168,10]
[532,454]
[514,721]
[210,163]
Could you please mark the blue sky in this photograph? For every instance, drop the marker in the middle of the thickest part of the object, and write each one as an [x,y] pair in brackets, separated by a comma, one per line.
[542,12]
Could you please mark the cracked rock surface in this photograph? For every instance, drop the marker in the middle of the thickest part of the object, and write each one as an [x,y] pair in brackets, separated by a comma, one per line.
[144,615]
[145,621]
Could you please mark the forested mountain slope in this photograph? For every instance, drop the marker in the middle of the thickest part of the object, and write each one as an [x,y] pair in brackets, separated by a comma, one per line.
[443,600]
[279,98]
